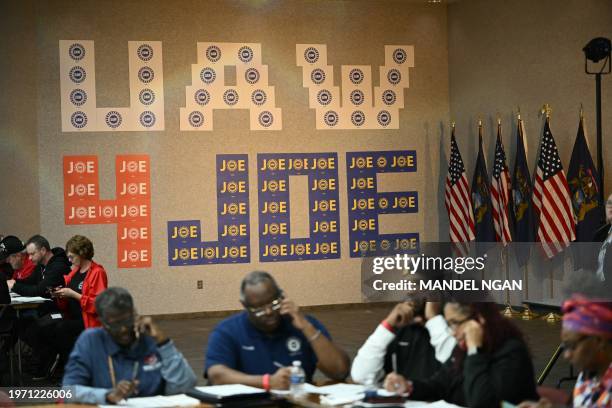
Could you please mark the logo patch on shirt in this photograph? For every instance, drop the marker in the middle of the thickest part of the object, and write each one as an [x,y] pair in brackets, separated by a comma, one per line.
[150,363]
[248,348]
[294,344]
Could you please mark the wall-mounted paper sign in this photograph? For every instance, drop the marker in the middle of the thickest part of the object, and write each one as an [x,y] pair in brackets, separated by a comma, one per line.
[130,210]
[354,105]
[78,89]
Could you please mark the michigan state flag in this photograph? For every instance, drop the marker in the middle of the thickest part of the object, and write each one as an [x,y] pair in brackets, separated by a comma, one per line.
[583,181]
[481,199]
[521,208]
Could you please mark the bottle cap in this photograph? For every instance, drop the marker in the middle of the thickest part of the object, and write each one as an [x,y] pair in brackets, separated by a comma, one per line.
[297,363]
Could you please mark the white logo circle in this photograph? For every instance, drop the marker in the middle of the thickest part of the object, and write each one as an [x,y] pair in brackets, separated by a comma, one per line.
[294,344]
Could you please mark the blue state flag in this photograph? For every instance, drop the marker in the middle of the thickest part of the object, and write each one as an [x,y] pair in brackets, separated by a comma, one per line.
[481,199]
[521,207]
[583,181]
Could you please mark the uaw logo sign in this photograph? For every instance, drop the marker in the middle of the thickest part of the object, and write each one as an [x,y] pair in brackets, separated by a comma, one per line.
[130,210]
[354,104]
[208,90]
[321,171]
[78,89]
[366,203]
[185,245]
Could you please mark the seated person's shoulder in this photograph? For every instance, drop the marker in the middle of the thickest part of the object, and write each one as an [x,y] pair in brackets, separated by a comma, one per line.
[231,324]
[317,324]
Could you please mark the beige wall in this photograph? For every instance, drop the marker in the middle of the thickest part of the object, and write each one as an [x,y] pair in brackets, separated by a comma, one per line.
[497,55]
[505,54]
[19,188]
[183,162]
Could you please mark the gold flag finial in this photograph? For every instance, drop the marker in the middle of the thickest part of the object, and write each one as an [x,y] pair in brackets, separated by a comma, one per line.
[498,119]
[453,124]
[581,111]
[479,122]
[546,110]
[518,113]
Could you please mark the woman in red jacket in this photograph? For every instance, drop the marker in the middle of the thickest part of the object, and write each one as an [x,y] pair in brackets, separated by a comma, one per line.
[86,280]
[76,300]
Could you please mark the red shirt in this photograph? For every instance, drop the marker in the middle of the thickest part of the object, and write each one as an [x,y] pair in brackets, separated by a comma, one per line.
[25,271]
[94,283]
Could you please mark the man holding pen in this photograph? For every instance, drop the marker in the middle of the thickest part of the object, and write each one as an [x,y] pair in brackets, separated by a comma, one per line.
[127,356]
[256,347]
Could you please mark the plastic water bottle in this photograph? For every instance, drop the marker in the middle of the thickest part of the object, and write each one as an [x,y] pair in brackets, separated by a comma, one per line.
[297,379]
[371,388]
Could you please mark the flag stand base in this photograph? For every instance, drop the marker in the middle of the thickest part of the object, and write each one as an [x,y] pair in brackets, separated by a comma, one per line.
[509,311]
[553,318]
[527,313]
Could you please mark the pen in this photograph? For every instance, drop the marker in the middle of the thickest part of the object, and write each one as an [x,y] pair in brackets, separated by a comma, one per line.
[135,371]
[276,363]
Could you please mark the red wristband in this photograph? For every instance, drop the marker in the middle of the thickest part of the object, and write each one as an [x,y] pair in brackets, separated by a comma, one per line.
[265,382]
[387,326]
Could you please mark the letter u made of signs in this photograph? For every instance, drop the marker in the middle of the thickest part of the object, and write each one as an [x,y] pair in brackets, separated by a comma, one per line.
[130,210]
[355,106]
[78,89]
[208,90]
[366,203]
[275,242]
[185,246]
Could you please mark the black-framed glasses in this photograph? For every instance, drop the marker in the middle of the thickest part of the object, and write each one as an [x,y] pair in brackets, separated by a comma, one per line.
[116,327]
[571,345]
[275,306]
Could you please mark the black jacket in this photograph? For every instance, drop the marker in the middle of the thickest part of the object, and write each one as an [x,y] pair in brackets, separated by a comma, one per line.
[483,380]
[48,276]
[5,296]
[416,358]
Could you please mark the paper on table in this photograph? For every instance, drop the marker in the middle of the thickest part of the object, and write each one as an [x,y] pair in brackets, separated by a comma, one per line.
[339,389]
[308,388]
[442,404]
[28,299]
[159,401]
[230,389]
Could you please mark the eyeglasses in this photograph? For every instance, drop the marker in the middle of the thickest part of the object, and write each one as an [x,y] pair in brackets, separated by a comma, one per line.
[454,324]
[116,327]
[275,306]
[571,345]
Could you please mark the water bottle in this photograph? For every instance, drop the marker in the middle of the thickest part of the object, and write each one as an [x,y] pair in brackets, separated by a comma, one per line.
[297,379]
[371,387]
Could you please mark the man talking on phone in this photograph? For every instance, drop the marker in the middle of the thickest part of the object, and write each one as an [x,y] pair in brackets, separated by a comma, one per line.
[128,356]
[256,347]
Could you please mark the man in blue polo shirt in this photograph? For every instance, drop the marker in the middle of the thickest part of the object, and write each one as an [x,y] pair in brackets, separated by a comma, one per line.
[128,356]
[257,346]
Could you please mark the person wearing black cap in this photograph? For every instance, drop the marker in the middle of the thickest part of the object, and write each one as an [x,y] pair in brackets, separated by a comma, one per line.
[12,250]
[54,265]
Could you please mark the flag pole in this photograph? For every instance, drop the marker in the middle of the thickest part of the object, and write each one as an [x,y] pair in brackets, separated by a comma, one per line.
[550,317]
[527,314]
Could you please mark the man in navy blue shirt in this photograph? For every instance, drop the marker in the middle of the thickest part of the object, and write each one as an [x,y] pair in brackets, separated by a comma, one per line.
[257,346]
[126,357]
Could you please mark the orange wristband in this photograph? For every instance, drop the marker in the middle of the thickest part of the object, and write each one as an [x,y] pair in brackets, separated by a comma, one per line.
[265,382]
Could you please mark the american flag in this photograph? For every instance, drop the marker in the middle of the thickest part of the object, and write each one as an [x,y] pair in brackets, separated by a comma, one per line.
[551,199]
[457,200]
[500,192]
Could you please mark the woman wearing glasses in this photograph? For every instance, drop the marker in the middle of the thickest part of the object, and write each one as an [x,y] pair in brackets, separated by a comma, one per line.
[490,363]
[86,280]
